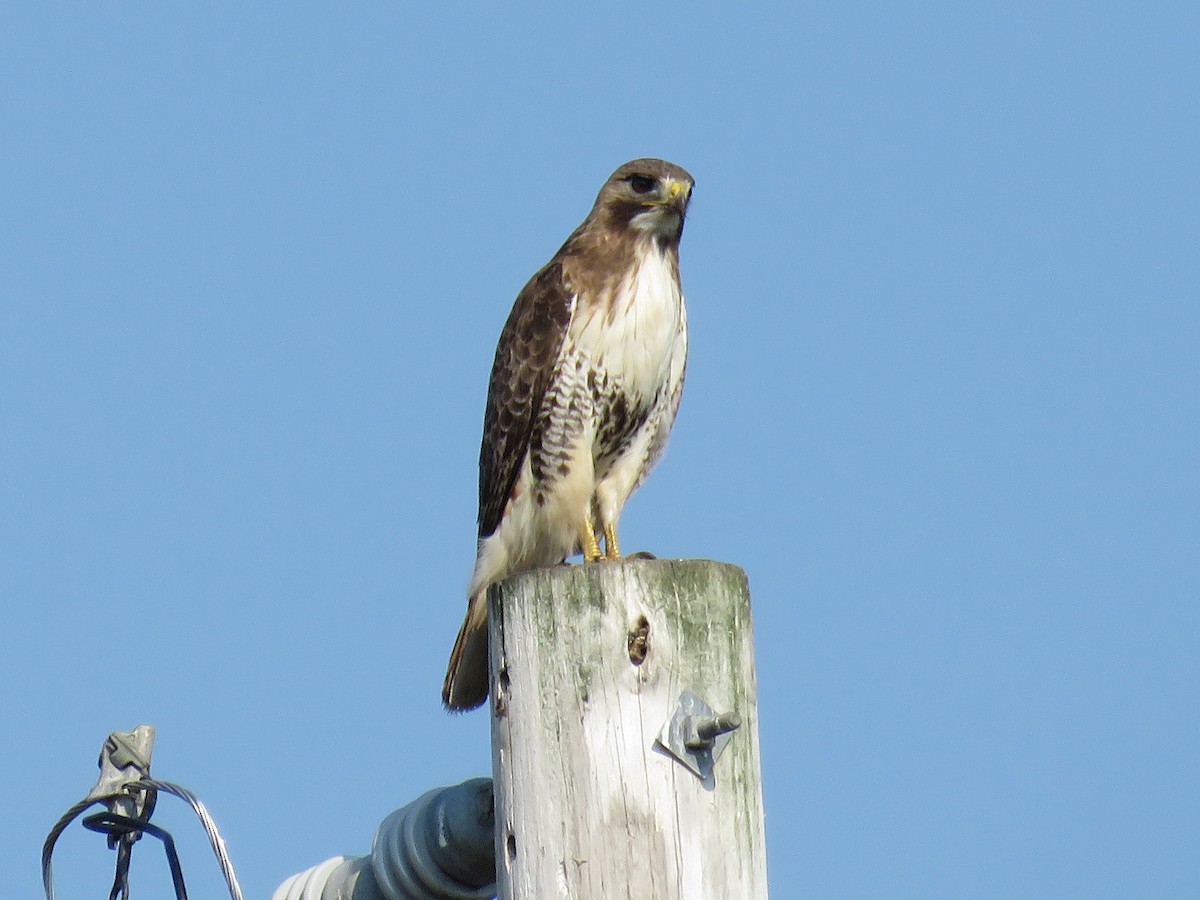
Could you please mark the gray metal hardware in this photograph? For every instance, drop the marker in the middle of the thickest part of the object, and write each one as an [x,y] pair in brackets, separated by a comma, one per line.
[696,735]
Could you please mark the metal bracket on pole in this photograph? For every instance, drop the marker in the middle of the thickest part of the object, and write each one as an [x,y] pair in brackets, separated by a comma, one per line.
[124,760]
[696,735]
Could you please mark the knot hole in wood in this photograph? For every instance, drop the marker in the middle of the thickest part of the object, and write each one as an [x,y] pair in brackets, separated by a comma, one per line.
[639,640]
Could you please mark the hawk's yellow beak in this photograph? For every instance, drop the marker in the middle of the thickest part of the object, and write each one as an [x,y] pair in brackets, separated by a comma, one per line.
[673,192]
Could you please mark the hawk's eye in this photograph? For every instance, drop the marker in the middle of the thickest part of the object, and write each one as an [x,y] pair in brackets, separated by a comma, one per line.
[641,184]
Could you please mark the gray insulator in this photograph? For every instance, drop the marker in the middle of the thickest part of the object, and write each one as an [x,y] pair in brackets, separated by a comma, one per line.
[439,847]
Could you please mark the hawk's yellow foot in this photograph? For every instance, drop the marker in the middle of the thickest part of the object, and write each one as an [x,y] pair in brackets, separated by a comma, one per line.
[588,543]
[612,549]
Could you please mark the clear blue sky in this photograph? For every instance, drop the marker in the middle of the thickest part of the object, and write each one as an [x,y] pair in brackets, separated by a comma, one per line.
[943,405]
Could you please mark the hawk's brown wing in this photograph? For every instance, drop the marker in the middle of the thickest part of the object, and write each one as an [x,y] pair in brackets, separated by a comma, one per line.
[526,357]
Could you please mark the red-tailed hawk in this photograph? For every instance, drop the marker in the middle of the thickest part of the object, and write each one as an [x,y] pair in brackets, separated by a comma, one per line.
[583,392]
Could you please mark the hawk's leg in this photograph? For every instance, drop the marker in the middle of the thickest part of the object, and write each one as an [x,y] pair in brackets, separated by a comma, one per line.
[588,543]
[612,549]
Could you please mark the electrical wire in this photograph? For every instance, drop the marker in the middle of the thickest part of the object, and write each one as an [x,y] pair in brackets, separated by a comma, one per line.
[148,785]
[210,828]
[125,830]
[52,838]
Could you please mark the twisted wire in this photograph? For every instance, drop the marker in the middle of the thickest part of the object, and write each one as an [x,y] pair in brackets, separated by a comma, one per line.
[52,838]
[144,784]
[210,827]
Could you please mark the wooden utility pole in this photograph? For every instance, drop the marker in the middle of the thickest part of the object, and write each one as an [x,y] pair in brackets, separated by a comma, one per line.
[589,664]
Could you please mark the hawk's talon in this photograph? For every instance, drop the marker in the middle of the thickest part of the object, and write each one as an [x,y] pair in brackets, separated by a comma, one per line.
[588,543]
[612,549]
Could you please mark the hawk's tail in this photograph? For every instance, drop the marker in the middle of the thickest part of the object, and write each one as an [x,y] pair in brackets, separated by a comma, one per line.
[466,684]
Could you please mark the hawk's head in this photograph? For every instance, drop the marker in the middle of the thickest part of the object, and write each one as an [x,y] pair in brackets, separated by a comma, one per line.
[649,195]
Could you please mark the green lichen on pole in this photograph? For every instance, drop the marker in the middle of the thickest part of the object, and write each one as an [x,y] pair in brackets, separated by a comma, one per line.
[588,666]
